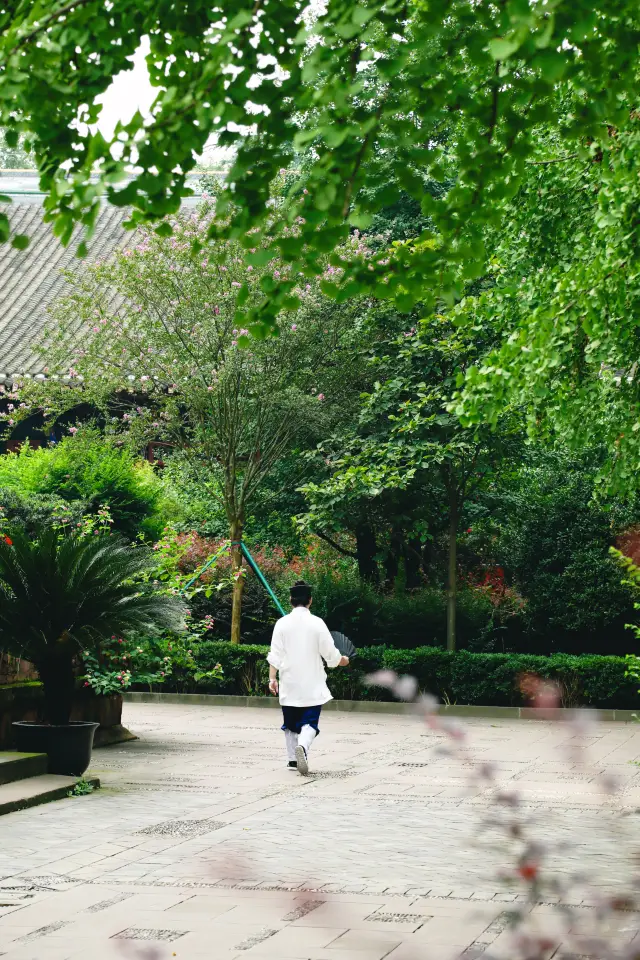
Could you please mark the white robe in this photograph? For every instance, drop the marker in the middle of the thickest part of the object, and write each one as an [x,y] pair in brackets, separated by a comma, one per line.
[299,644]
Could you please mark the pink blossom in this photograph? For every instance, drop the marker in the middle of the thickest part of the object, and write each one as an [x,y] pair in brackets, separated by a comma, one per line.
[321,396]
[294,326]
[95,329]
[73,430]
[234,283]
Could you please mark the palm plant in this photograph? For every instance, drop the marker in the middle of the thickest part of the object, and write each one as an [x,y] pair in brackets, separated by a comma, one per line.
[60,596]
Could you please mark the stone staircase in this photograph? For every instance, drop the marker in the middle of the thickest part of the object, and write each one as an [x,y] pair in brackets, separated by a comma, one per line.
[24,781]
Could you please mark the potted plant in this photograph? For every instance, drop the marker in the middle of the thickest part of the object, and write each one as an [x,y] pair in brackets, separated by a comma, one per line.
[60,596]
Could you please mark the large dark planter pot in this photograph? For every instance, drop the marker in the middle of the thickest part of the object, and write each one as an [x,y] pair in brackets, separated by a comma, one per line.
[30,737]
[68,746]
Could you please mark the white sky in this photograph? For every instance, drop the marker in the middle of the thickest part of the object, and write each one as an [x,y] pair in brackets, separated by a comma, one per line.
[131,90]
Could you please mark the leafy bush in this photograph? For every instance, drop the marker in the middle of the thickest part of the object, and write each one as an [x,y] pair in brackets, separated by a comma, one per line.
[488,679]
[401,618]
[122,662]
[182,555]
[85,471]
[32,512]
[552,536]
[197,497]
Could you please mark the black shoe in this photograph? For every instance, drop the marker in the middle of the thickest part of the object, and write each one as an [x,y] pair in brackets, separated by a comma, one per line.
[292,765]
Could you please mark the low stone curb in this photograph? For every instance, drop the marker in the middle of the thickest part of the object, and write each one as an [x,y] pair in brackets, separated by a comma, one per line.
[375,706]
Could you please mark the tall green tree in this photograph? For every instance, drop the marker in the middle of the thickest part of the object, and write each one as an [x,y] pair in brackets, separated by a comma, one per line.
[406,439]
[550,527]
[359,81]
[470,96]
[161,357]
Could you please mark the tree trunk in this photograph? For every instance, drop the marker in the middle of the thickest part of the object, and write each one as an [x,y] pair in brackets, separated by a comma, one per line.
[366,549]
[452,580]
[238,580]
[56,673]
[412,560]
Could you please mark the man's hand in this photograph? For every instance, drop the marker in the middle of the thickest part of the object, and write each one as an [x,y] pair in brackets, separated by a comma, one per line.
[344,662]
[273,687]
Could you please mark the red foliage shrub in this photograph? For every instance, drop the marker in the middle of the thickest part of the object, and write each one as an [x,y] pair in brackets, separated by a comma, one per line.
[628,543]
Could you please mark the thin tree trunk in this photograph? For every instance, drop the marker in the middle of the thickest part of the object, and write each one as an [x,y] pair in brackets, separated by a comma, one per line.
[452,580]
[238,581]
[412,562]
[366,549]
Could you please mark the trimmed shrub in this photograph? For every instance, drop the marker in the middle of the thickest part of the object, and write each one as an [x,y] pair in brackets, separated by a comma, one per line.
[486,679]
[85,471]
[552,535]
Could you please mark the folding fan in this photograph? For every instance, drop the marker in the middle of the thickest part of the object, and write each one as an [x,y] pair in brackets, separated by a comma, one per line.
[343,644]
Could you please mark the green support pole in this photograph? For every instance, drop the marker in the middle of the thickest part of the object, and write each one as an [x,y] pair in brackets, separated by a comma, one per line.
[256,569]
[209,562]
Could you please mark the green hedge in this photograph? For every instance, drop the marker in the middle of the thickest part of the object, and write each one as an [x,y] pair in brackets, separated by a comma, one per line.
[488,679]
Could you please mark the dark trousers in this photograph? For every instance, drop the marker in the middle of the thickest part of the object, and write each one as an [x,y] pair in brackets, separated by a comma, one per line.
[295,718]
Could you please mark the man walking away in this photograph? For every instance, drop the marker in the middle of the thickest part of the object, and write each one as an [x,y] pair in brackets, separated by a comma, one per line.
[299,644]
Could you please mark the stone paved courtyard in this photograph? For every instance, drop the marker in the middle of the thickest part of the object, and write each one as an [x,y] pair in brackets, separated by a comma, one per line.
[201,844]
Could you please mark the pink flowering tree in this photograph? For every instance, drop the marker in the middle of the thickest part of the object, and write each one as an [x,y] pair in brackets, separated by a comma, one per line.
[151,339]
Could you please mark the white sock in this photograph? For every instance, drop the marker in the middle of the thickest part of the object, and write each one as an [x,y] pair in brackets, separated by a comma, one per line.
[291,740]
[307,736]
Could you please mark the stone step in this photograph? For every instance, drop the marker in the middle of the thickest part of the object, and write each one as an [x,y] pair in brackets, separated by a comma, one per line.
[18,766]
[39,789]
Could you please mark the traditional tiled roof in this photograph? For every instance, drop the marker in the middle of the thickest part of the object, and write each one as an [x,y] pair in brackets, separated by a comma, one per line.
[31,279]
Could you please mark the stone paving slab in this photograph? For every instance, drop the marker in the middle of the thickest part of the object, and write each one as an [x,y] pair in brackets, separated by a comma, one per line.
[202,844]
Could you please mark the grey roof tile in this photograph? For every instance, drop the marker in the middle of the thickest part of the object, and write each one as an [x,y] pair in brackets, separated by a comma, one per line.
[31,279]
